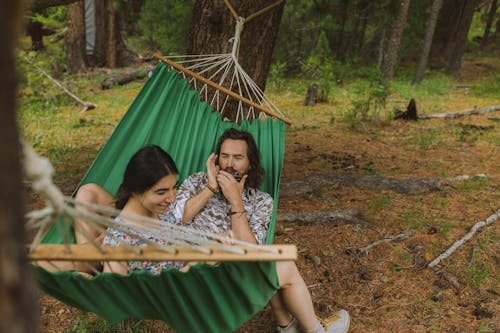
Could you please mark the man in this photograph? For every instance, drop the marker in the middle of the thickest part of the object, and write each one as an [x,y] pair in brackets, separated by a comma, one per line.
[216,201]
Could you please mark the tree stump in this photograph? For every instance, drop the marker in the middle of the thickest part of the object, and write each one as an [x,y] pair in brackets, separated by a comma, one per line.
[409,114]
[311,95]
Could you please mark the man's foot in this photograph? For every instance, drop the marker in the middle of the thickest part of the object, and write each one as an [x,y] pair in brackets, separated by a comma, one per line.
[338,323]
[292,327]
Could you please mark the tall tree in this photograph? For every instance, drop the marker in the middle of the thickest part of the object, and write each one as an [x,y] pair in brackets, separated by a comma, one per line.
[109,50]
[455,57]
[75,38]
[213,26]
[429,34]
[17,294]
[392,51]
[489,20]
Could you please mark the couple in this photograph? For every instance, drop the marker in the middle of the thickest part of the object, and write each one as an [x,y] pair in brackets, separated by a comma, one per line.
[215,201]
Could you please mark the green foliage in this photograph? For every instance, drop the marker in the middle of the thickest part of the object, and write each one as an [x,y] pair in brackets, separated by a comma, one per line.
[381,202]
[52,17]
[489,87]
[427,139]
[277,74]
[370,98]
[165,25]
[478,271]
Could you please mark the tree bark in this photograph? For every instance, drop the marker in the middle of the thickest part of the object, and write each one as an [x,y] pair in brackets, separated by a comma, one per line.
[75,38]
[35,30]
[489,21]
[18,304]
[446,29]
[213,26]
[392,51]
[455,60]
[429,34]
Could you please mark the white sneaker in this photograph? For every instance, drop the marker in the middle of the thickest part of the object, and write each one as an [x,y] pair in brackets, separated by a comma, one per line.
[338,323]
[292,327]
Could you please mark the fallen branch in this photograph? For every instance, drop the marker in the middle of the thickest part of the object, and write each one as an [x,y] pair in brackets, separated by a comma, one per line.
[457,114]
[396,238]
[86,105]
[126,77]
[408,186]
[465,238]
[351,216]
[448,277]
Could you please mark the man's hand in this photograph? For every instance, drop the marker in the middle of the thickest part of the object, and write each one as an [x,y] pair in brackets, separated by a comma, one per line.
[212,171]
[231,188]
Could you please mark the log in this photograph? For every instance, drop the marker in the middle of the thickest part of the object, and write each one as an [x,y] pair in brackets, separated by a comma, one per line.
[349,216]
[458,114]
[124,78]
[409,186]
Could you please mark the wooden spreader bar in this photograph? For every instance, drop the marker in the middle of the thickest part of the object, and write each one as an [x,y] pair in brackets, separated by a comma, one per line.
[88,252]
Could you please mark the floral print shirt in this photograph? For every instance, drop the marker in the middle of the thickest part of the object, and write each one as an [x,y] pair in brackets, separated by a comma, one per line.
[153,267]
[215,216]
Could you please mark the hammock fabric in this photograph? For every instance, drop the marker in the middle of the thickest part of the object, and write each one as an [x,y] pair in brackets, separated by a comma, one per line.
[207,298]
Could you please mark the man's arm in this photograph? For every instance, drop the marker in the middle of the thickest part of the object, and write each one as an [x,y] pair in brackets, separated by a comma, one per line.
[197,201]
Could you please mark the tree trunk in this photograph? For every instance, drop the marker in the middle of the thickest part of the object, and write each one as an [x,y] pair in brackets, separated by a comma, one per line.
[429,34]
[36,33]
[446,28]
[75,38]
[18,300]
[213,26]
[109,51]
[489,21]
[392,52]
[455,59]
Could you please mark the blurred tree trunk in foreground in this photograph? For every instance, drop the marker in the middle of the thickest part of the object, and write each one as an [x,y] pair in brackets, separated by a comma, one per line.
[17,294]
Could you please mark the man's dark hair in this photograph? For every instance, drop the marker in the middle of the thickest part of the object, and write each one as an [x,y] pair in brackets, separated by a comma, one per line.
[255,170]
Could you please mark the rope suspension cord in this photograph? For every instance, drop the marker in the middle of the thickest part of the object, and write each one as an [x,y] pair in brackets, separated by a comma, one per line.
[223,71]
[181,243]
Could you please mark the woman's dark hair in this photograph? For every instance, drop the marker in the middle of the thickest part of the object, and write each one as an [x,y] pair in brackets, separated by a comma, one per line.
[255,171]
[145,168]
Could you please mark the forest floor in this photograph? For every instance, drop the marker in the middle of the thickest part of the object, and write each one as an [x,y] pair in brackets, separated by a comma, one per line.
[389,288]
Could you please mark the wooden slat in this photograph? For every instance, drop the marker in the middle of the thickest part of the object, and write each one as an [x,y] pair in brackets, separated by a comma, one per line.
[221,88]
[88,252]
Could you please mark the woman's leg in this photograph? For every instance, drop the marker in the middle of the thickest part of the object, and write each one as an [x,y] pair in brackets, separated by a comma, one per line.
[95,194]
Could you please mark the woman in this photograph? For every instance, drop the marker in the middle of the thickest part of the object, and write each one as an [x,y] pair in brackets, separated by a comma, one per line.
[148,190]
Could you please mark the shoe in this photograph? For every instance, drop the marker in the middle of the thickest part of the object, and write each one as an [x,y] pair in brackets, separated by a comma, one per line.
[338,323]
[292,327]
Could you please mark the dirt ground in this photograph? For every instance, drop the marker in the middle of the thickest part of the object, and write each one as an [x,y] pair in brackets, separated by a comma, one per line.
[389,288]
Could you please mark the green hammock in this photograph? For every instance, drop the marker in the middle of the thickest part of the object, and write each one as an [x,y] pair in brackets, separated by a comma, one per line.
[206,298]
